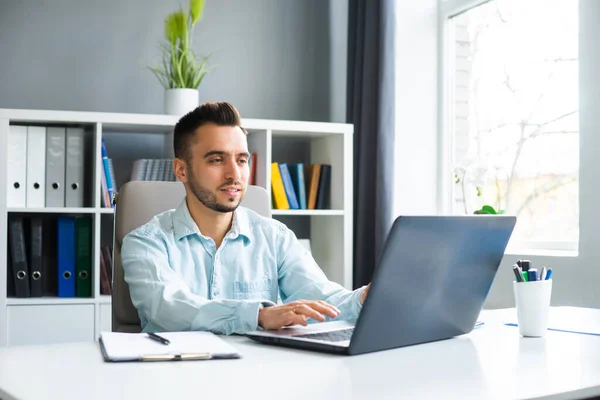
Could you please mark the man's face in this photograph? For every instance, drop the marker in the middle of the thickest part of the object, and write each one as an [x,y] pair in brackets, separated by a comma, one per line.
[217,172]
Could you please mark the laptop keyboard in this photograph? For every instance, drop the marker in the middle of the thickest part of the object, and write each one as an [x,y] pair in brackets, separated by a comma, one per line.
[332,336]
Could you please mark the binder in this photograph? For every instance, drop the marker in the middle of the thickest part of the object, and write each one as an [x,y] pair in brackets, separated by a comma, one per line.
[288,186]
[83,284]
[55,167]
[16,235]
[16,167]
[194,345]
[49,257]
[36,166]
[324,187]
[74,174]
[66,256]
[35,256]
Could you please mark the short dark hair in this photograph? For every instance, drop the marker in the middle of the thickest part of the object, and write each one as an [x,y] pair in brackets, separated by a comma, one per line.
[219,113]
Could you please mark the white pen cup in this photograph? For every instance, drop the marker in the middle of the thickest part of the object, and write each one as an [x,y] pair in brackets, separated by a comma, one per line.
[532,300]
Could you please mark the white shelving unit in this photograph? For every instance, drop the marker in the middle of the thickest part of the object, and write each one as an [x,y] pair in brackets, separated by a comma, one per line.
[133,136]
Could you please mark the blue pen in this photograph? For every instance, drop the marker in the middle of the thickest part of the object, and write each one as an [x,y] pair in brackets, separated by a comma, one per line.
[549,273]
[532,275]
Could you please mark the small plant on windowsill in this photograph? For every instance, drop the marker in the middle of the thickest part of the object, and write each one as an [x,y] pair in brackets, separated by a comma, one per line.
[486,208]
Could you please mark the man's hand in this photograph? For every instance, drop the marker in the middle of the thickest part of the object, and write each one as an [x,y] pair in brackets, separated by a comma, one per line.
[295,313]
[364,294]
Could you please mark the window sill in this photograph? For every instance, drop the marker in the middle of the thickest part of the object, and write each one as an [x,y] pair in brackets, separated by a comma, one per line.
[542,252]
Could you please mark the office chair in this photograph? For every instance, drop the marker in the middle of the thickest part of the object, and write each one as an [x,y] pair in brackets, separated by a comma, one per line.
[136,203]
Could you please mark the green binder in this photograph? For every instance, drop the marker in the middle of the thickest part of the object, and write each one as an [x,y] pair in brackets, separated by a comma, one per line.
[83,257]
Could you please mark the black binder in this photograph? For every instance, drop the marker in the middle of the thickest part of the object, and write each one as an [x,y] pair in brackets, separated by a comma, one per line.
[16,235]
[35,257]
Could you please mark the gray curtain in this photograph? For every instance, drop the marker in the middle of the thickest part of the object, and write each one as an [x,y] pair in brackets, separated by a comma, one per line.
[370,107]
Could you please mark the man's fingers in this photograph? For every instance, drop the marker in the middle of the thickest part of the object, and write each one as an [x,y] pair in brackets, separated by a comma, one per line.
[325,308]
[305,309]
[291,318]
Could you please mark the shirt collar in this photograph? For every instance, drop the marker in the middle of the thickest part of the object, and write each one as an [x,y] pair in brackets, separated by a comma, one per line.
[184,225]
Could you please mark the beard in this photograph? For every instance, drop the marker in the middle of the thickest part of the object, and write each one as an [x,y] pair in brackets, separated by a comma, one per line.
[209,199]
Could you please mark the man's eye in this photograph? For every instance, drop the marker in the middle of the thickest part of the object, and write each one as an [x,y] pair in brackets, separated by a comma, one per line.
[215,160]
[243,161]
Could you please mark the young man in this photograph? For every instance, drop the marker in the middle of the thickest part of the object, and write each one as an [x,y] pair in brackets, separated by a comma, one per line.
[212,265]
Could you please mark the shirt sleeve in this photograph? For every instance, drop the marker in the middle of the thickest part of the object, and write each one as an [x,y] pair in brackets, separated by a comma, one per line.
[301,278]
[165,300]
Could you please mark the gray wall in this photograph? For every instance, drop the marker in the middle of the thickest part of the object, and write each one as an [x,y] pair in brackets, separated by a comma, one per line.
[281,59]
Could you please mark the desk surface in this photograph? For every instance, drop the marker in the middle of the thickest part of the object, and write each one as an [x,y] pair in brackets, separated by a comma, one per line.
[492,362]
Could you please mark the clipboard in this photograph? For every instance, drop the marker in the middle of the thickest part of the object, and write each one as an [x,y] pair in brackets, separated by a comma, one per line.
[184,346]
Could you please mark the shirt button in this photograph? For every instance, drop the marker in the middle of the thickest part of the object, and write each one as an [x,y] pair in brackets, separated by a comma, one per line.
[216,292]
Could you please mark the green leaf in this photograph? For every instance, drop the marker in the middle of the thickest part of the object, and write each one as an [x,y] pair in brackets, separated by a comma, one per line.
[479,191]
[196,10]
[489,209]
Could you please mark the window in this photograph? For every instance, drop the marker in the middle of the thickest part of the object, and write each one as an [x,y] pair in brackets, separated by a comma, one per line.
[513,117]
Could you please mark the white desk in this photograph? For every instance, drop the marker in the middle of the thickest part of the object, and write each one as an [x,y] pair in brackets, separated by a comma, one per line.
[492,362]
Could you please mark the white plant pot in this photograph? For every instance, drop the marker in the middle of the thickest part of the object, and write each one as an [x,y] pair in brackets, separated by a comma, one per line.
[180,101]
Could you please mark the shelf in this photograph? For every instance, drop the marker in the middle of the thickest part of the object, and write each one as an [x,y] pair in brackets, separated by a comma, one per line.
[53,210]
[308,212]
[105,299]
[37,301]
[106,210]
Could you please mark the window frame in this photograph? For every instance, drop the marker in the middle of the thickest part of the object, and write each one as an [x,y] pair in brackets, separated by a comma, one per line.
[447,10]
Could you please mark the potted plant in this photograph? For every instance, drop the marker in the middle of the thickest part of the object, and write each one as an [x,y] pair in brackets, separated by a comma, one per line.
[181,71]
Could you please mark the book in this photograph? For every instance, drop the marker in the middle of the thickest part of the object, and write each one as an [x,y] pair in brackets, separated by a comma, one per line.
[290,193]
[323,193]
[299,184]
[280,201]
[313,173]
[117,346]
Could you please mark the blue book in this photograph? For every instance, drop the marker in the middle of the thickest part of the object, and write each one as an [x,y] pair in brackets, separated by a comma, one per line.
[66,256]
[288,186]
[109,183]
[299,184]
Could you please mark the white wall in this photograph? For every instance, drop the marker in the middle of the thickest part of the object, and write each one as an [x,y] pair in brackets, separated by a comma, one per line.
[274,59]
[416,118]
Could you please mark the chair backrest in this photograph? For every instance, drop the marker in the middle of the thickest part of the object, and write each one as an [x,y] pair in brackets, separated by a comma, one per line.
[137,203]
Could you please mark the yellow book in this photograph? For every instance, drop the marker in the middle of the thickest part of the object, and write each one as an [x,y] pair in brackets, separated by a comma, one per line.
[279,197]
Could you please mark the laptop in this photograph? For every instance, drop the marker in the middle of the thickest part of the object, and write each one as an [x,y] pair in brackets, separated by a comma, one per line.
[430,284]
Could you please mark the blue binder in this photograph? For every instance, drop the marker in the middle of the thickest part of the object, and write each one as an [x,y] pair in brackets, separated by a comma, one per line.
[66,256]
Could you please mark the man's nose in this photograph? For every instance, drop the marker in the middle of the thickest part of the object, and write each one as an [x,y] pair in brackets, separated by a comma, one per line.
[233,170]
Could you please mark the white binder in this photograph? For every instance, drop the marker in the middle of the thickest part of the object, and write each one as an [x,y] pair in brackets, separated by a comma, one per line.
[36,166]
[74,175]
[16,171]
[55,167]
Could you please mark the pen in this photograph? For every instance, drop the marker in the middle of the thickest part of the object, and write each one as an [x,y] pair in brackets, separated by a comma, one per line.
[517,272]
[160,339]
[542,274]
[549,273]
[532,275]
[525,264]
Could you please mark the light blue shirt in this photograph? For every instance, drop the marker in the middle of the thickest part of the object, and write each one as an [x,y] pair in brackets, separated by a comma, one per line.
[179,280]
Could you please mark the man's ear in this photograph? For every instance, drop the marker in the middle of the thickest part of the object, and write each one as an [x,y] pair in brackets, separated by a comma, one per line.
[180,169]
